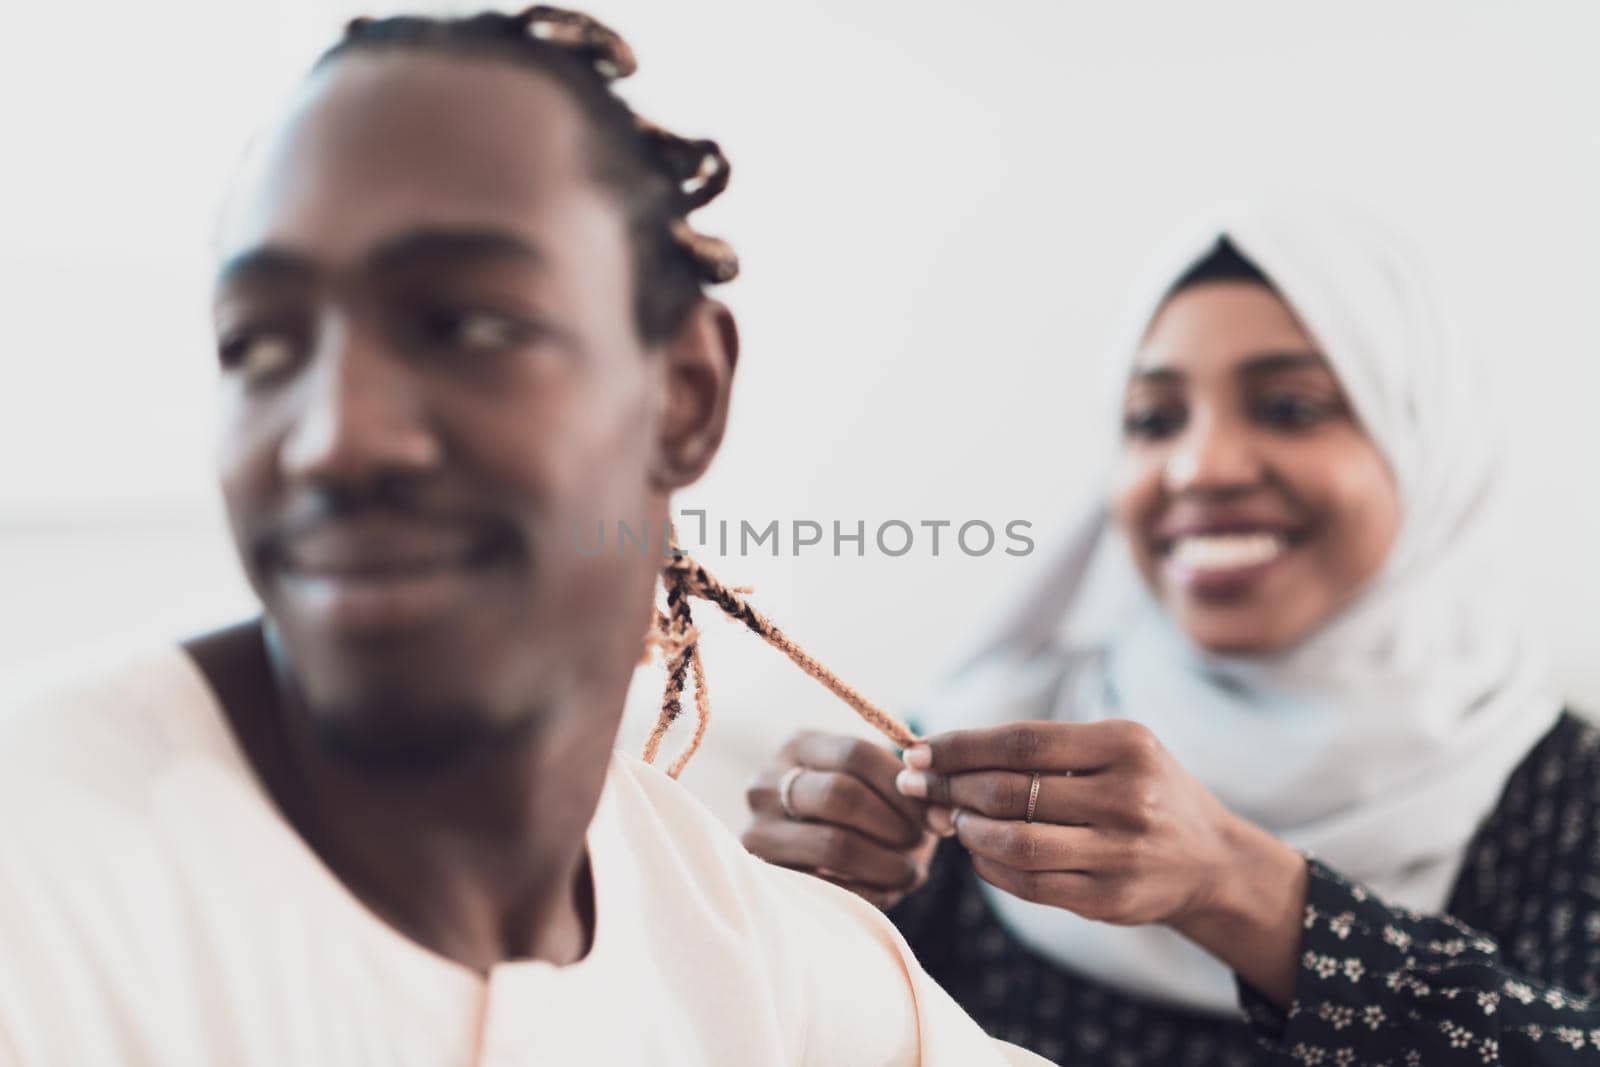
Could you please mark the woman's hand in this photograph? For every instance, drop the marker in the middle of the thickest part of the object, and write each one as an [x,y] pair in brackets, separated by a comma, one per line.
[849,825]
[1120,832]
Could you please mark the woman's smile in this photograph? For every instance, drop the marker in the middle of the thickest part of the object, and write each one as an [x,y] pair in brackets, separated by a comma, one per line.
[1222,557]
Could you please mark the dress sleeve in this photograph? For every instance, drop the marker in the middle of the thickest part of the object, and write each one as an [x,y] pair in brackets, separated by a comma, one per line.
[1385,985]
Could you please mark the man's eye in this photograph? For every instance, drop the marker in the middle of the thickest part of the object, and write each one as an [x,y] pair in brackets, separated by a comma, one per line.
[257,354]
[1152,423]
[474,331]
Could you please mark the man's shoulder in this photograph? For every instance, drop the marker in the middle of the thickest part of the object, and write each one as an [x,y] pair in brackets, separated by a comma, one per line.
[839,971]
[109,729]
[647,801]
[662,816]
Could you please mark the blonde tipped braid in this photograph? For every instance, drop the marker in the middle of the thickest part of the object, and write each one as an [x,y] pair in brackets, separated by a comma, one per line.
[675,634]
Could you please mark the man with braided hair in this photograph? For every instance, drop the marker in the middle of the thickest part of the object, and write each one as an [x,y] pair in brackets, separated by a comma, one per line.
[461,313]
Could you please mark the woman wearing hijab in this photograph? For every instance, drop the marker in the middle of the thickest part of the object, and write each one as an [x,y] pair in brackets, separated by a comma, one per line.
[1266,765]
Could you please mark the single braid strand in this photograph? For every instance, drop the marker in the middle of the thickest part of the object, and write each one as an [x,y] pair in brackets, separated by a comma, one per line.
[702,708]
[684,577]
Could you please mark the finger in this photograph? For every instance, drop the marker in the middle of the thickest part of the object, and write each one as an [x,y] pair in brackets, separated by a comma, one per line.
[843,854]
[834,797]
[844,800]
[872,763]
[1079,800]
[762,794]
[1032,746]
[1031,846]
[1063,889]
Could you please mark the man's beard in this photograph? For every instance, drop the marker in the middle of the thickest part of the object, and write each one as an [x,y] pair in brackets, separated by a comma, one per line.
[391,740]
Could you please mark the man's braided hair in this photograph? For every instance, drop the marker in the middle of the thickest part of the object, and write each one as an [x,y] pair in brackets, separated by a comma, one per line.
[660,178]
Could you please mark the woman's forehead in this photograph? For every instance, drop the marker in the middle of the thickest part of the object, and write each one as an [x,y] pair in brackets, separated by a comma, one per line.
[1226,328]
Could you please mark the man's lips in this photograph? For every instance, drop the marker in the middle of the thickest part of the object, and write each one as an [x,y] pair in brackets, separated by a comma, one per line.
[383,575]
[380,549]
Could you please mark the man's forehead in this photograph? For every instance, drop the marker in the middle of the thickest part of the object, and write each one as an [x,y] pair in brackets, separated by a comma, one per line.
[379,145]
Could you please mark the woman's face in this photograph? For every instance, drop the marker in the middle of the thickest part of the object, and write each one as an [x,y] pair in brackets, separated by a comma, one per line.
[1255,505]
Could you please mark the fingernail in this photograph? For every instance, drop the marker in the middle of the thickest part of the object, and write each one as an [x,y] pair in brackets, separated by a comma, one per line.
[918,757]
[912,783]
[941,821]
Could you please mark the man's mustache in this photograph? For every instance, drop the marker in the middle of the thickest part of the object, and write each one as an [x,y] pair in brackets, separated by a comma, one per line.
[393,500]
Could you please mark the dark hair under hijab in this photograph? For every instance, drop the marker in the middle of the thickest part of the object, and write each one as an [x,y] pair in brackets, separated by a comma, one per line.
[1224,263]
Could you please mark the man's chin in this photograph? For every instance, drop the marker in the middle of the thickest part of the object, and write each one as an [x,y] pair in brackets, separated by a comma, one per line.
[391,739]
[405,708]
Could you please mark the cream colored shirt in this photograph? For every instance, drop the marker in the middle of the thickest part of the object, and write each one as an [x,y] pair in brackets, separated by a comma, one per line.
[156,910]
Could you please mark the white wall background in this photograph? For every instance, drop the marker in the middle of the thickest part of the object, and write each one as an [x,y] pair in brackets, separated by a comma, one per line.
[937,205]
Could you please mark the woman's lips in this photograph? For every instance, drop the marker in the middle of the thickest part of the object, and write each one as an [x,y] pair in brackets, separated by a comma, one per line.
[1222,565]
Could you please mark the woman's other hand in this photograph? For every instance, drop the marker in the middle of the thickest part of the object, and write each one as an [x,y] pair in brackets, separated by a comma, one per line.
[845,821]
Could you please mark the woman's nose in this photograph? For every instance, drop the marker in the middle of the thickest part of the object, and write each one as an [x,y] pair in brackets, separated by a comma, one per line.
[1211,457]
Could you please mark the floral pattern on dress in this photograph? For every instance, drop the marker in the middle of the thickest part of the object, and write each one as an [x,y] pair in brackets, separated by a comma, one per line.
[1510,975]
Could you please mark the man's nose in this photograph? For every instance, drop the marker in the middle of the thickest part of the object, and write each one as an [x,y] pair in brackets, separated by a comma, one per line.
[362,412]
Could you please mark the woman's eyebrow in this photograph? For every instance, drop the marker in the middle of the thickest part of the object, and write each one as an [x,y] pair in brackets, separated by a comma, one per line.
[1156,376]
[1268,363]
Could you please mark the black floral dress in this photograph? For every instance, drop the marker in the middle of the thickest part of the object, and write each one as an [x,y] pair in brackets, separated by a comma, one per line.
[1510,976]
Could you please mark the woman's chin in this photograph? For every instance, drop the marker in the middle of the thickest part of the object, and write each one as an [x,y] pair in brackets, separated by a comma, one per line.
[1243,630]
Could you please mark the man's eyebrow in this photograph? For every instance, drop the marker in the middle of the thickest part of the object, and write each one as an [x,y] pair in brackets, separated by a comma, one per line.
[454,245]
[264,262]
[432,245]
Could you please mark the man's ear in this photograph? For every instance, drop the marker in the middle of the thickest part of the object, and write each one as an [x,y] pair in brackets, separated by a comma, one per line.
[697,372]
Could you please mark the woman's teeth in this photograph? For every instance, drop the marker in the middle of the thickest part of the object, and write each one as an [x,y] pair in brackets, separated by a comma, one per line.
[1225,552]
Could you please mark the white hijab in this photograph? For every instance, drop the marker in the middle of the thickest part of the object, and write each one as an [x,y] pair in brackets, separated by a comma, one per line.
[1380,742]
